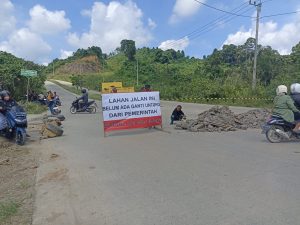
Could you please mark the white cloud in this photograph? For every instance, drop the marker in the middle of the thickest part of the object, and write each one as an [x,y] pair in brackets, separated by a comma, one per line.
[180,44]
[151,24]
[86,12]
[65,54]
[280,38]
[26,44]
[7,19]
[44,21]
[110,24]
[183,9]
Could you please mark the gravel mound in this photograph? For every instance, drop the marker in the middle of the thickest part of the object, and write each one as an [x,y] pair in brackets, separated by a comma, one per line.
[221,118]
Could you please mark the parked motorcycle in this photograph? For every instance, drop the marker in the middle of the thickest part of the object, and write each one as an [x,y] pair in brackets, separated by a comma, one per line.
[16,124]
[56,109]
[278,130]
[76,107]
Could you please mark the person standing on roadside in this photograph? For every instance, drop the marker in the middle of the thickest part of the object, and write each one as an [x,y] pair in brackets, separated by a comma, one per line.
[146,88]
[51,101]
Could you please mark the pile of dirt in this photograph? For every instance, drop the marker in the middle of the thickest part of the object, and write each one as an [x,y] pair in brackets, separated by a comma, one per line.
[221,118]
[254,118]
[52,127]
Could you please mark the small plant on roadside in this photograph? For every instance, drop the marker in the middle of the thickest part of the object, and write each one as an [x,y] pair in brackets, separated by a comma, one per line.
[8,209]
[24,184]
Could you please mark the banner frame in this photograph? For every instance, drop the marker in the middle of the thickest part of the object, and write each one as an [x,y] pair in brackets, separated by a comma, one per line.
[105,133]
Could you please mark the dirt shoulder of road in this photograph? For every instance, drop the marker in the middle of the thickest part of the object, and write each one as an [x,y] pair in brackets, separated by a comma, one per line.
[18,167]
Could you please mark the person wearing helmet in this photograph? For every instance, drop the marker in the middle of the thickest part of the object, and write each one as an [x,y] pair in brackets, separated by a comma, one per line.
[284,106]
[8,101]
[295,94]
[3,121]
[84,99]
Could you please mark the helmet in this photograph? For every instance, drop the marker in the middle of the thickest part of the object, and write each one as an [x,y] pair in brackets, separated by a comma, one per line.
[295,88]
[83,91]
[281,89]
[5,93]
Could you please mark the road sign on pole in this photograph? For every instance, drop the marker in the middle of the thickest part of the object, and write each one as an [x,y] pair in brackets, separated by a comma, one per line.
[28,74]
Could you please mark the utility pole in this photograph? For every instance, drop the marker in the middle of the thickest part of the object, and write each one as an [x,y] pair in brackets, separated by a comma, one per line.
[257,4]
[137,72]
[53,68]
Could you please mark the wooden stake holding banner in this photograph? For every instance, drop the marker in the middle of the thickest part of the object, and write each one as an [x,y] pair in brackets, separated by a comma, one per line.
[123,111]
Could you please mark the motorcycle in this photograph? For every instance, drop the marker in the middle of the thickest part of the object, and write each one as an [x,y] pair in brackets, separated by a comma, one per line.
[56,108]
[90,107]
[58,102]
[278,130]
[16,124]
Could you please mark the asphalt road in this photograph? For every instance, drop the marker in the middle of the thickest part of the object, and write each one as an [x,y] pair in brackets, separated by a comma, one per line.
[149,177]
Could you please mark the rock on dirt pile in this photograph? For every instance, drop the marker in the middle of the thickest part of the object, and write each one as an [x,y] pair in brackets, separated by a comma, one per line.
[221,118]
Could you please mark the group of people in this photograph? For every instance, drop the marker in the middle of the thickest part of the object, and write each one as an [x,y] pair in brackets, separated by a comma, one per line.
[52,99]
[288,106]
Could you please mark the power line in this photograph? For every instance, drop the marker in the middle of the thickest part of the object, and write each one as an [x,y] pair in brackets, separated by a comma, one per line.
[221,10]
[211,24]
[224,19]
[281,14]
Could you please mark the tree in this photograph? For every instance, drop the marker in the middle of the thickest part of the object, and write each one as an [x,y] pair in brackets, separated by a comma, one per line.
[128,48]
[77,81]
[11,79]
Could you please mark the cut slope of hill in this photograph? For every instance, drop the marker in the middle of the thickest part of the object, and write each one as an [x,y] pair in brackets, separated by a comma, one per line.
[86,65]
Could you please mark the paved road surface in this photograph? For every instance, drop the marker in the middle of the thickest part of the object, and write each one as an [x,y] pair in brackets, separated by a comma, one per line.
[148,177]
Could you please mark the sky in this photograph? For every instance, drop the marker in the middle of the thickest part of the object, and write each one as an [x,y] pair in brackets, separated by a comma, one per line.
[42,30]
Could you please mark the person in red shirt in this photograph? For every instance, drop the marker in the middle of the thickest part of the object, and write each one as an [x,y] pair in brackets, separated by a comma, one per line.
[114,89]
[146,88]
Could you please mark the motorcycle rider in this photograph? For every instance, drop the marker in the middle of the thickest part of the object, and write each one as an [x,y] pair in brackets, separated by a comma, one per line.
[295,94]
[84,99]
[284,106]
[6,103]
[3,121]
[9,102]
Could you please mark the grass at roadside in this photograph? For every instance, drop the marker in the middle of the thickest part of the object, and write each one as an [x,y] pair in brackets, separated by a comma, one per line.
[33,108]
[7,209]
[76,91]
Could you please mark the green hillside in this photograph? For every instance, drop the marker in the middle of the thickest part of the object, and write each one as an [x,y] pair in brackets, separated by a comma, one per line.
[10,78]
[226,73]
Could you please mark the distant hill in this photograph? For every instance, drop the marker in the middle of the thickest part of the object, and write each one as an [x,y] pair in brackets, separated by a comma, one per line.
[86,65]
[83,61]
[226,73]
